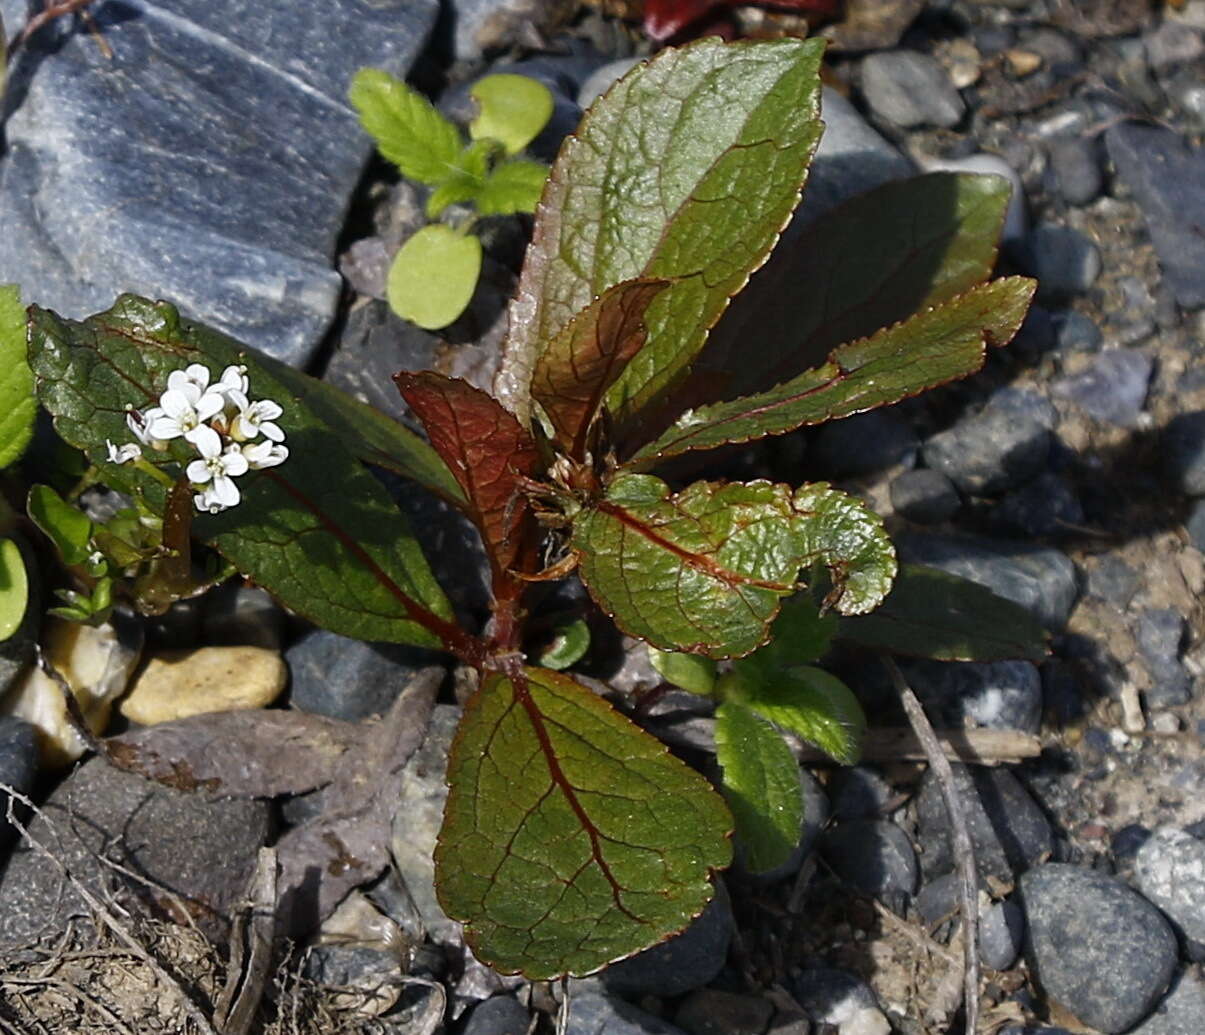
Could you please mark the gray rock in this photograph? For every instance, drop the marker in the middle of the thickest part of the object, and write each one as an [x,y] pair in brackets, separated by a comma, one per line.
[1008,830]
[1046,506]
[1113,580]
[235,220]
[1001,935]
[1128,840]
[939,898]
[910,89]
[1170,871]
[1168,181]
[1002,695]
[873,855]
[1094,945]
[711,1011]
[349,679]
[1160,634]
[832,996]
[480,27]
[239,614]
[498,1015]
[1196,525]
[1184,452]
[202,851]
[592,1013]
[1075,332]
[18,766]
[924,496]
[1064,261]
[1075,166]
[686,961]
[1112,389]
[1041,580]
[865,443]
[1181,1010]
[352,966]
[859,792]
[1170,45]
[990,451]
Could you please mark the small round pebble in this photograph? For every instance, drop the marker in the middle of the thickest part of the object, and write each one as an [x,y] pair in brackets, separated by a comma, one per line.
[924,496]
[1001,934]
[875,856]
[832,996]
[858,792]
[910,89]
[1076,166]
[1064,261]
[989,452]
[498,1015]
[1075,332]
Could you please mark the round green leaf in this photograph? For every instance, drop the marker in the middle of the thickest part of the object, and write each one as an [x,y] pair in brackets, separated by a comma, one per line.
[512,109]
[568,646]
[434,275]
[14,588]
[689,671]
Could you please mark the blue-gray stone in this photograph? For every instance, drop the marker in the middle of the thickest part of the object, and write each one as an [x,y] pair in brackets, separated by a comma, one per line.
[864,443]
[1064,261]
[1002,695]
[1046,506]
[1167,178]
[498,1015]
[1170,871]
[18,766]
[1184,452]
[1075,166]
[1001,935]
[924,496]
[1097,947]
[1112,389]
[939,898]
[209,161]
[873,855]
[1113,580]
[910,89]
[1041,580]
[1195,525]
[592,1013]
[244,615]
[1007,828]
[352,966]
[1128,840]
[1159,633]
[990,451]
[832,996]
[1181,1011]
[859,792]
[1075,332]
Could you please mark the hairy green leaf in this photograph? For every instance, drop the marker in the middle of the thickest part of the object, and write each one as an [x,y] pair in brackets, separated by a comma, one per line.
[933,347]
[571,838]
[14,588]
[511,109]
[813,704]
[69,528]
[318,532]
[689,671]
[409,131]
[569,644]
[932,614]
[686,170]
[17,403]
[761,785]
[512,187]
[465,180]
[433,276]
[704,570]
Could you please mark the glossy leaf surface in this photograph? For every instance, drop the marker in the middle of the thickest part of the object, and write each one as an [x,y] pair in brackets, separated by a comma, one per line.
[689,671]
[571,838]
[433,276]
[511,109]
[69,528]
[14,588]
[512,187]
[932,614]
[933,347]
[569,644]
[318,532]
[687,169]
[704,570]
[407,128]
[761,785]
[17,403]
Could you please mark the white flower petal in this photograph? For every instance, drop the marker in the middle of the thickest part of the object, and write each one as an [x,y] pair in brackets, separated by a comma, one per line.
[177,405]
[164,427]
[266,409]
[207,441]
[265,454]
[234,379]
[272,431]
[207,502]
[234,463]
[225,491]
[198,472]
[210,404]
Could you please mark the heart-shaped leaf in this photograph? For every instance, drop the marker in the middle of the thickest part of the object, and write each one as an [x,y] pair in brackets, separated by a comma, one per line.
[704,570]
[434,275]
[511,109]
[571,837]
[17,403]
[686,170]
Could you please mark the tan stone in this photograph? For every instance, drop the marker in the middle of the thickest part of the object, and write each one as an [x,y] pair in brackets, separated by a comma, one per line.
[177,684]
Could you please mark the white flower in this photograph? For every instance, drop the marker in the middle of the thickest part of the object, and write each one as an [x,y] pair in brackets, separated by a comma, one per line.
[254,418]
[123,453]
[192,382]
[216,471]
[180,415]
[140,423]
[233,379]
[265,454]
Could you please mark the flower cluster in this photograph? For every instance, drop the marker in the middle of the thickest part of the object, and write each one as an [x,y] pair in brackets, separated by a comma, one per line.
[232,434]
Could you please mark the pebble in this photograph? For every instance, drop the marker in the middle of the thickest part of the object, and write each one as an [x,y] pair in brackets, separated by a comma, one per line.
[938,898]
[832,996]
[1184,452]
[1008,829]
[1063,260]
[1036,336]
[1181,1011]
[18,765]
[240,615]
[1159,633]
[1128,840]
[1016,222]
[990,451]
[1075,167]
[1046,506]
[498,1015]
[859,792]
[712,1011]
[1112,388]
[349,679]
[1170,45]
[1039,579]
[204,851]
[1001,695]
[1075,332]
[1095,946]
[1195,525]
[1170,871]
[591,1013]
[177,684]
[1001,935]
[1113,580]
[910,89]
[684,962]
[864,443]
[480,27]
[925,496]
[369,980]
[873,855]
[1167,179]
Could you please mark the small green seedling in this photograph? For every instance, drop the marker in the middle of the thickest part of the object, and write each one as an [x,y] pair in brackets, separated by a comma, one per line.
[433,276]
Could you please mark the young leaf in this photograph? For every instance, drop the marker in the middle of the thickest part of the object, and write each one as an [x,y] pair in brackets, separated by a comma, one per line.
[704,570]
[801,635]
[433,276]
[319,531]
[761,785]
[14,588]
[571,838]
[465,180]
[933,347]
[569,645]
[813,704]
[17,403]
[512,187]
[689,671]
[69,528]
[931,614]
[686,170]
[487,452]
[574,372]
[511,109]
[407,128]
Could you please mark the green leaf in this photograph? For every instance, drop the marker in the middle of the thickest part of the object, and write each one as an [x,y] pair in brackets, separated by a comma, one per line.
[686,170]
[465,181]
[69,528]
[14,588]
[703,570]
[933,347]
[931,614]
[761,784]
[813,704]
[689,671]
[318,532]
[17,403]
[409,131]
[571,838]
[574,372]
[801,635]
[512,187]
[433,276]
[511,109]
[570,642]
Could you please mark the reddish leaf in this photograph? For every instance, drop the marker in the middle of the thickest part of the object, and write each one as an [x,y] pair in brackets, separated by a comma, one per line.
[487,451]
[588,355]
